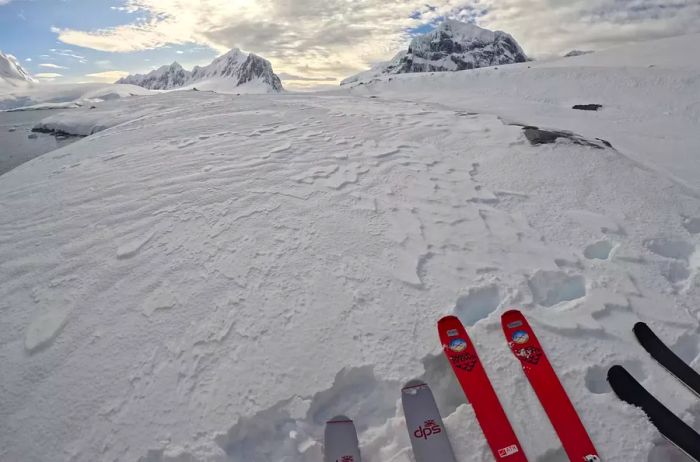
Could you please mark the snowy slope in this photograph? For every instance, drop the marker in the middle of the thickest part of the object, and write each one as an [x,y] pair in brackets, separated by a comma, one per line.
[452,46]
[214,276]
[233,72]
[649,93]
[12,74]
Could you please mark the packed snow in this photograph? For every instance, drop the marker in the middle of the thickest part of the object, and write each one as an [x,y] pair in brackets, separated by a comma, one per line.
[209,277]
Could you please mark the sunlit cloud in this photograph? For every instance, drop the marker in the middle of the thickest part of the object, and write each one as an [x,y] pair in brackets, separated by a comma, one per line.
[107,76]
[48,75]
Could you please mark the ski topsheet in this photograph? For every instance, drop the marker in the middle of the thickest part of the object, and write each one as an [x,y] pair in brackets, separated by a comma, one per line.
[668,424]
[425,428]
[461,353]
[667,358]
[566,422]
[340,441]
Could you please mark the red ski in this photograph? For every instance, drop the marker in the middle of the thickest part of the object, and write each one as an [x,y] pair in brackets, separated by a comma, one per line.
[548,388]
[461,353]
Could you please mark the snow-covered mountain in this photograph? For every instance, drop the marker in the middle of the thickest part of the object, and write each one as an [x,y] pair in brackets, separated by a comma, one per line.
[234,71]
[452,46]
[12,72]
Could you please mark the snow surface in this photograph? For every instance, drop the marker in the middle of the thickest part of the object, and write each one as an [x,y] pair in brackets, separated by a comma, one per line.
[212,277]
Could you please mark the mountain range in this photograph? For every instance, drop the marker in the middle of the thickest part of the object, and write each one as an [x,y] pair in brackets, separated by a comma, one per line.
[452,46]
[234,71]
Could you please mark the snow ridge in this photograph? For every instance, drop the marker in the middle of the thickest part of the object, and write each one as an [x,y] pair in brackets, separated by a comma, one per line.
[236,68]
[452,46]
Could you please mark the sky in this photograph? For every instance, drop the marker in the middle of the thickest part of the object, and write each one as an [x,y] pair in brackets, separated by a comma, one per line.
[311,43]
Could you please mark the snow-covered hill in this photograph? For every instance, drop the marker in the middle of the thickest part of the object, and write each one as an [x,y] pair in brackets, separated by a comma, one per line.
[235,71]
[12,73]
[452,46]
[210,277]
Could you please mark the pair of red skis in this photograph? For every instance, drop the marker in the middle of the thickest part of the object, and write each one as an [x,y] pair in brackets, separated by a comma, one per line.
[461,353]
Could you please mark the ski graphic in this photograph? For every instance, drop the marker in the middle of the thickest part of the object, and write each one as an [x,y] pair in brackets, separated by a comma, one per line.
[461,353]
[668,424]
[549,390]
[425,428]
[667,358]
[340,441]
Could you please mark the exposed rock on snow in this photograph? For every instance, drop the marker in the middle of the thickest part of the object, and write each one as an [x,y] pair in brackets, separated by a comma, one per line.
[587,107]
[452,46]
[233,70]
[11,71]
[537,136]
[573,53]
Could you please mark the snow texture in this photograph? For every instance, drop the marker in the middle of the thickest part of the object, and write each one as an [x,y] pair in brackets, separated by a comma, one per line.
[209,277]
[235,71]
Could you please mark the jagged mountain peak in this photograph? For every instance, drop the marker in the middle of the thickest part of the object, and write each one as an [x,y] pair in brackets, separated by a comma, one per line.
[452,46]
[12,71]
[228,71]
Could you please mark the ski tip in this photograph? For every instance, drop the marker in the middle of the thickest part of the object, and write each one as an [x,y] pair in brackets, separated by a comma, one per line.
[511,312]
[412,384]
[339,419]
[617,371]
[639,326]
[448,319]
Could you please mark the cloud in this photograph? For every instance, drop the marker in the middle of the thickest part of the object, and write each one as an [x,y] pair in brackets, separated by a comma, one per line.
[52,66]
[286,76]
[107,76]
[48,75]
[321,38]
[29,60]
[68,54]
[4,2]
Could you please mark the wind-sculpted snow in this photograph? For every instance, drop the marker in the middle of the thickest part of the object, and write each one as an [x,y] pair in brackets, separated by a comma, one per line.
[210,277]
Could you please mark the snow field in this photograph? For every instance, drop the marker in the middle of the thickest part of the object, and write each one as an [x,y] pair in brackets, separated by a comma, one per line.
[213,277]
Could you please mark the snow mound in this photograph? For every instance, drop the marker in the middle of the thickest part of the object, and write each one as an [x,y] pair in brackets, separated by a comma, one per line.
[235,71]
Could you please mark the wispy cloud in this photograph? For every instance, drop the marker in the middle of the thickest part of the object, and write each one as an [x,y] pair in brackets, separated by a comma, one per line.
[107,76]
[52,66]
[69,54]
[48,75]
[321,38]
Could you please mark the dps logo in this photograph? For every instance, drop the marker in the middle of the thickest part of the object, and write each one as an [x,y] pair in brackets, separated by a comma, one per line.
[428,429]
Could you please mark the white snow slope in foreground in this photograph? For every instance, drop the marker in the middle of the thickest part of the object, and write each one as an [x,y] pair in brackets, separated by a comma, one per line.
[214,279]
